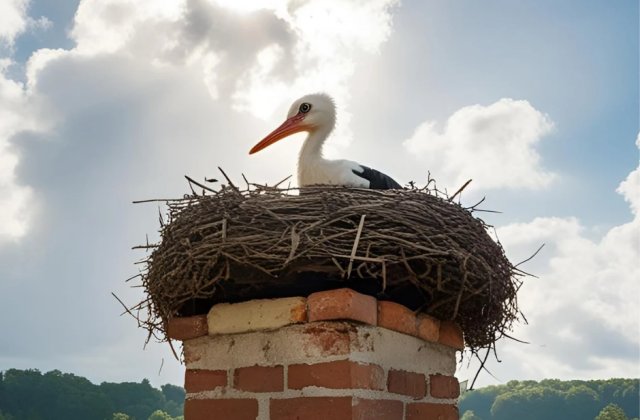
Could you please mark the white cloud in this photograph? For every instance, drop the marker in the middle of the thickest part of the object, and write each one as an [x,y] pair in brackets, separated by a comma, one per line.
[151,91]
[330,24]
[123,130]
[40,24]
[494,145]
[330,36]
[38,61]
[327,39]
[157,89]
[257,88]
[106,26]
[287,51]
[253,5]
[262,54]
[630,187]
[13,19]
[14,198]
[583,313]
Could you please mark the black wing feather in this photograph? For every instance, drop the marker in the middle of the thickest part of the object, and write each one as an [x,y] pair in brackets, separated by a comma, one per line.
[377,180]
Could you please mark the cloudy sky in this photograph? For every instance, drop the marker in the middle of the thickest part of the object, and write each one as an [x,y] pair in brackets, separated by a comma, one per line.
[107,101]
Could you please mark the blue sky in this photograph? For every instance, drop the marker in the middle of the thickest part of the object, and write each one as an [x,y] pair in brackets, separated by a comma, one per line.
[108,101]
[579,64]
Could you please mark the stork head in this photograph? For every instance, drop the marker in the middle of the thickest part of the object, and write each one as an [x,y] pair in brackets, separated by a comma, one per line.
[309,113]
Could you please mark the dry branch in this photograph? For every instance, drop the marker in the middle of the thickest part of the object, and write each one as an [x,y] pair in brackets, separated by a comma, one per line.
[417,248]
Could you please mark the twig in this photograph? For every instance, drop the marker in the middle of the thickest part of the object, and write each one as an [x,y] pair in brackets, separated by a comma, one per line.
[459,190]
[153,200]
[450,262]
[278,184]
[224,229]
[133,277]
[482,363]
[514,339]
[246,181]
[204,187]
[126,309]
[384,275]
[193,192]
[173,350]
[355,245]
[472,208]
[531,257]
[356,258]
[228,179]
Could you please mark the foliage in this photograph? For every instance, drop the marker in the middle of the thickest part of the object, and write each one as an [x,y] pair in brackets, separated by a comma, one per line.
[470,415]
[612,412]
[174,395]
[480,401]
[5,416]
[29,394]
[584,400]
[138,400]
[32,395]
[552,399]
[159,415]
[519,404]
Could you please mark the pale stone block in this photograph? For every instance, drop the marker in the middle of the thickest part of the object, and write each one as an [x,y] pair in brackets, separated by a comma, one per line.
[256,315]
[318,342]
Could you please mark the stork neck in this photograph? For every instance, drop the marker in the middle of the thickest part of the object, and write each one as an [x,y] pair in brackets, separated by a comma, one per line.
[312,147]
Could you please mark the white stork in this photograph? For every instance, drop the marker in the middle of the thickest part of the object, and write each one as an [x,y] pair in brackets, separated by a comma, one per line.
[316,114]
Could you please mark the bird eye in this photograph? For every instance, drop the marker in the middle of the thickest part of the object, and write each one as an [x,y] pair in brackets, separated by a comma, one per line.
[305,107]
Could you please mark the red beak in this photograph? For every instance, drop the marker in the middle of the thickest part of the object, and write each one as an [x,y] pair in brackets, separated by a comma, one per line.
[290,126]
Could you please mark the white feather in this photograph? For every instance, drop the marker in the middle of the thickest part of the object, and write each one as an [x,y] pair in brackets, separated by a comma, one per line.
[330,172]
[313,168]
[318,118]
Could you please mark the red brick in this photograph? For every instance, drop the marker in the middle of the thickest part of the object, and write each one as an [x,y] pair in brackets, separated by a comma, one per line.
[342,304]
[451,335]
[331,339]
[198,380]
[227,409]
[397,317]
[310,408]
[298,314]
[376,409]
[428,328]
[341,374]
[187,328]
[407,383]
[441,386]
[259,379]
[429,411]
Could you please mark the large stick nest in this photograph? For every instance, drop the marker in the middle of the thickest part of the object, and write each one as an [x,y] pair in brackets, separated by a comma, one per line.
[410,246]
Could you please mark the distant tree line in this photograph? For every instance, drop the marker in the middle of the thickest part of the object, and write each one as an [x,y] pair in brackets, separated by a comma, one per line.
[552,399]
[32,395]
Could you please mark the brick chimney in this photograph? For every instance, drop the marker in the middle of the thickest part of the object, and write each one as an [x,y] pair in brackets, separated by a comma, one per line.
[334,355]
